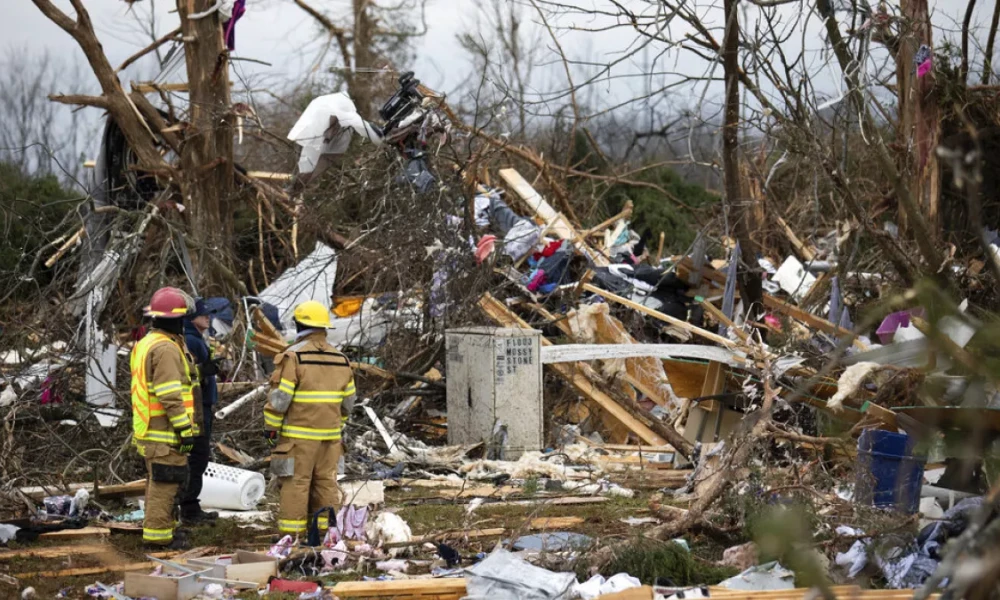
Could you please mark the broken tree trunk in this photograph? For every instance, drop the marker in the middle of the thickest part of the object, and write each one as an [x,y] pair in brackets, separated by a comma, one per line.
[751,287]
[920,122]
[207,156]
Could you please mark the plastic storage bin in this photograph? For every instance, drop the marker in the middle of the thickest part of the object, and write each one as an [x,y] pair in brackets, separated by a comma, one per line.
[888,473]
[230,488]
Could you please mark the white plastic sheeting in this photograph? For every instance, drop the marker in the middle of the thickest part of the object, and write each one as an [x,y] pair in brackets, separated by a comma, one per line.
[506,576]
[311,279]
[309,131]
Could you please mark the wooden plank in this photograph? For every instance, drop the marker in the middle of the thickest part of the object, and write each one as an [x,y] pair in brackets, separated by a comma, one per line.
[67,534]
[543,523]
[270,175]
[41,491]
[718,277]
[64,551]
[399,589]
[640,593]
[572,375]
[708,335]
[372,370]
[721,317]
[142,566]
[806,253]
[806,317]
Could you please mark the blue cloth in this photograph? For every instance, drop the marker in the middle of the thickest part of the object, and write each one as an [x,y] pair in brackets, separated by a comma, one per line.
[198,348]
[221,309]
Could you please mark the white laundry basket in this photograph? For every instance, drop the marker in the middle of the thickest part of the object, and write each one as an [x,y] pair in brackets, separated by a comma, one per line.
[230,488]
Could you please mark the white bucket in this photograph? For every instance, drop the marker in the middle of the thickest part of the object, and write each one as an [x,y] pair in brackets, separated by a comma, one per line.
[230,488]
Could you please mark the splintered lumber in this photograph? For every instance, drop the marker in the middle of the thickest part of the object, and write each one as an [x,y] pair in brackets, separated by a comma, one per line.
[640,593]
[133,488]
[624,214]
[805,252]
[270,175]
[112,568]
[555,522]
[401,589]
[721,317]
[64,551]
[571,373]
[263,325]
[708,335]
[67,534]
[685,265]
[548,216]
[72,241]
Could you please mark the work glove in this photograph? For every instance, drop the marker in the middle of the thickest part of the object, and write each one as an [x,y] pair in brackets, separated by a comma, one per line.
[210,368]
[272,437]
[187,440]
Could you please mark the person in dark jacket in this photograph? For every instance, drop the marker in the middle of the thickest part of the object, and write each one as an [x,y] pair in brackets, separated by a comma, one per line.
[195,326]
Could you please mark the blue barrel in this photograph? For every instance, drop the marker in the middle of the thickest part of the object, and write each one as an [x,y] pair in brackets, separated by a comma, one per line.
[888,473]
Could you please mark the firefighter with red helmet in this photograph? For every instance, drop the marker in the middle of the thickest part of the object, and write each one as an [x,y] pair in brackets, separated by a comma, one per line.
[164,417]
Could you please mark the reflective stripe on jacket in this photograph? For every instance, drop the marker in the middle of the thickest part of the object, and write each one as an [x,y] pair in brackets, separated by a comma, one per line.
[310,382]
[162,396]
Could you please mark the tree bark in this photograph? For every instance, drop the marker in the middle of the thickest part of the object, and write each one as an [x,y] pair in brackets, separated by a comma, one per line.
[922,233]
[364,58]
[919,115]
[207,155]
[751,289]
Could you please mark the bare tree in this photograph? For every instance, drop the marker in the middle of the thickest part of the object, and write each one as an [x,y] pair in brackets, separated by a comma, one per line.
[375,39]
[36,135]
[506,49]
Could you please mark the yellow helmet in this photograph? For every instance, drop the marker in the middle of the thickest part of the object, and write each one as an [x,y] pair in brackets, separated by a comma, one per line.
[312,314]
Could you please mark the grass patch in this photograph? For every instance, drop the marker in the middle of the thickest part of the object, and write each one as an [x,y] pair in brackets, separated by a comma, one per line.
[649,560]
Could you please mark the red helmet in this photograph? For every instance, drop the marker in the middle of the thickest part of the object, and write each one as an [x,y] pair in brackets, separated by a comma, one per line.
[169,303]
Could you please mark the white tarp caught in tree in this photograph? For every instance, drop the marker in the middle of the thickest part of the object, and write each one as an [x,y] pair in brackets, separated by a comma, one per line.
[311,279]
[310,131]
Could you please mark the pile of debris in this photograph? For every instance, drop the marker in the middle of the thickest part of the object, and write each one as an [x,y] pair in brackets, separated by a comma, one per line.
[529,365]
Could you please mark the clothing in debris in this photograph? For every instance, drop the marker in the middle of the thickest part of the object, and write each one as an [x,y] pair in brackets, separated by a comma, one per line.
[667,289]
[908,564]
[164,416]
[519,234]
[550,267]
[311,384]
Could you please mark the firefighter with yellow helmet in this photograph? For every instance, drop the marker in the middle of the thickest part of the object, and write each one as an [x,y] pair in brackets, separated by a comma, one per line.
[164,417]
[312,392]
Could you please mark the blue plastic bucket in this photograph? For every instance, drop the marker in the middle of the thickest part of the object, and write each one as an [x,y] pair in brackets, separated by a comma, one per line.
[888,473]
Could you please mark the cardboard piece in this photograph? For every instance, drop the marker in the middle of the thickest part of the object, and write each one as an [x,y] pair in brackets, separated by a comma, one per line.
[178,586]
[241,566]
